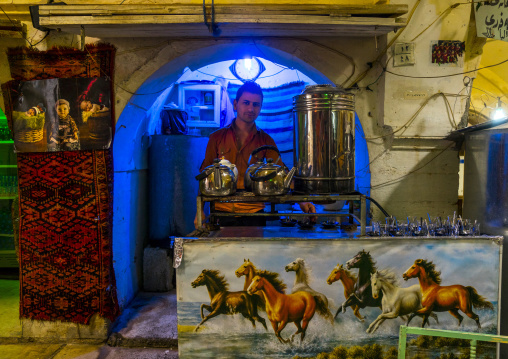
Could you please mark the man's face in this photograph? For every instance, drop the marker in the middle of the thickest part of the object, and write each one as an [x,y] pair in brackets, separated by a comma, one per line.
[248,107]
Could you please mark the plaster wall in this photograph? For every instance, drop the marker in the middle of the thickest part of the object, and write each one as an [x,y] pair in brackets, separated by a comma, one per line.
[412,176]
[418,148]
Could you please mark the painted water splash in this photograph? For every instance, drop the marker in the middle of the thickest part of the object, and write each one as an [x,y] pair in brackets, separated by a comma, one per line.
[228,337]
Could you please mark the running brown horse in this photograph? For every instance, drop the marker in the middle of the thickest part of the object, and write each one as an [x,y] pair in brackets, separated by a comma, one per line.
[224,302]
[437,298]
[303,274]
[282,309]
[348,280]
[248,270]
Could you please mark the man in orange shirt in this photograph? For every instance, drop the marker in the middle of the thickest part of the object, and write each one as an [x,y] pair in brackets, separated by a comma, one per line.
[235,143]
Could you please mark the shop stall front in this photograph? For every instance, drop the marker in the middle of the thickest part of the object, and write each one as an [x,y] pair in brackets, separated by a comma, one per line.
[333,283]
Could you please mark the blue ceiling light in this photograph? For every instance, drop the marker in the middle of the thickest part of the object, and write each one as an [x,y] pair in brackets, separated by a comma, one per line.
[248,64]
[248,69]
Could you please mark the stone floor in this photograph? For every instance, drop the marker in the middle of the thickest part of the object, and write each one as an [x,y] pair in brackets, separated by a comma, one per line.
[147,329]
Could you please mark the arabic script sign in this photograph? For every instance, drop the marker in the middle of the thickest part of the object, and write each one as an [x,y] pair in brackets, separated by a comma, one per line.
[492,19]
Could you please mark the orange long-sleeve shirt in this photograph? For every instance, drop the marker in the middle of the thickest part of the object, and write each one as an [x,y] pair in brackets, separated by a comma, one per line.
[223,143]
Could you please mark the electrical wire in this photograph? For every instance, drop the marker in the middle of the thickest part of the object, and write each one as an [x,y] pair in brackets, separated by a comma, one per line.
[453,6]
[347,57]
[412,118]
[362,75]
[41,40]
[264,55]
[115,84]
[392,41]
[372,200]
[390,182]
[234,79]
[491,95]
[165,42]
[159,91]
[315,43]
[386,150]
[371,162]
[253,38]
[465,82]
[14,24]
[372,83]
[450,75]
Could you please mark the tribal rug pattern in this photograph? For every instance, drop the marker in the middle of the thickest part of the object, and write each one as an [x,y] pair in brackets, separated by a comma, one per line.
[65,236]
[66,206]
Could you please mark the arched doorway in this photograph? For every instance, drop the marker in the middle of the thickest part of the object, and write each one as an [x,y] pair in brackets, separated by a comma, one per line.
[132,141]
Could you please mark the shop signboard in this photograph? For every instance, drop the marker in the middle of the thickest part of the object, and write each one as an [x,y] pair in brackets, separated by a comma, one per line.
[492,19]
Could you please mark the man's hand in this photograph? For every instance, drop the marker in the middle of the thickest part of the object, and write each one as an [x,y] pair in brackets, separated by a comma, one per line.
[308,207]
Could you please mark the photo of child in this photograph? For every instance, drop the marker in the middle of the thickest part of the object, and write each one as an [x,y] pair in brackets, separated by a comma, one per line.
[29,126]
[88,109]
[36,110]
[71,114]
[67,138]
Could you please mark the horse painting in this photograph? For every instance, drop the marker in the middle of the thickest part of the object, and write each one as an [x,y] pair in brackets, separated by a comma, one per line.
[282,308]
[348,280]
[437,298]
[224,302]
[248,270]
[302,278]
[362,295]
[396,301]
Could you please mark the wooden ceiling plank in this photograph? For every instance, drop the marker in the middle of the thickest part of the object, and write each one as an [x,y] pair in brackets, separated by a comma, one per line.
[187,20]
[228,30]
[175,19]
[377,10]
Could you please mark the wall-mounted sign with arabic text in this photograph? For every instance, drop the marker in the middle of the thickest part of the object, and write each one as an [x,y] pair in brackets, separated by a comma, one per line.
[492,19]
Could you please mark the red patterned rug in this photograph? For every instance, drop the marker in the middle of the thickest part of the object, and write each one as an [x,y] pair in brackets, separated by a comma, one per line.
[66,207]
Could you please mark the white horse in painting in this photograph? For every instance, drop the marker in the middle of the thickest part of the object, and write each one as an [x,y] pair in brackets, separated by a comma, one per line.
[302,279]
[396,301]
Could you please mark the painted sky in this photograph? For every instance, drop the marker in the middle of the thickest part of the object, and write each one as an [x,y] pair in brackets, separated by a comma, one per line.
[461,261]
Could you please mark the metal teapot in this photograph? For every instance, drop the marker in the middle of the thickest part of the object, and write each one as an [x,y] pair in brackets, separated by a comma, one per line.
[225,162]
[217,179]
[247,182]
[271,180]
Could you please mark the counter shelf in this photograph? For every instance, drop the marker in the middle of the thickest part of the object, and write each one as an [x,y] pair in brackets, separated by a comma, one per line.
[288,198]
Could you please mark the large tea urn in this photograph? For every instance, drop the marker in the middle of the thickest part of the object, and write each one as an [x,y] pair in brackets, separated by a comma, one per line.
[324,140]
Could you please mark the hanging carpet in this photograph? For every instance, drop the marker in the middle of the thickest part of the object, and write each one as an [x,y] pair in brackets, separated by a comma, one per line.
[66,206]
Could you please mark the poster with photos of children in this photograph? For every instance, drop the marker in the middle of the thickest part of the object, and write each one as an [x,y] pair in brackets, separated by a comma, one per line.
[62,115]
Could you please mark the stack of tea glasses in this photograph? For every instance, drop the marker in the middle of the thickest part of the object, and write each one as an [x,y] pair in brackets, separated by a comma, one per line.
[426,227]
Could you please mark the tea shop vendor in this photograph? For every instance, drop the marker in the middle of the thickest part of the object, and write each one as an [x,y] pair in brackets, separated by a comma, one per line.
[235,143]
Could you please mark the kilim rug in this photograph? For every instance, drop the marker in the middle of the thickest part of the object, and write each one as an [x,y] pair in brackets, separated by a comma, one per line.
[66,202]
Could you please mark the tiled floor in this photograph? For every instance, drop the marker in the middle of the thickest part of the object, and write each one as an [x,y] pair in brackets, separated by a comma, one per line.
[145,330]
[10,325]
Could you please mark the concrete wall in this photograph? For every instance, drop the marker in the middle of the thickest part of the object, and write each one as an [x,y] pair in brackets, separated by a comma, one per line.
[411,176]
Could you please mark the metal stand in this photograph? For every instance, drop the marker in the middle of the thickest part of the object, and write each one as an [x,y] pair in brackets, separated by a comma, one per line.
[289,198]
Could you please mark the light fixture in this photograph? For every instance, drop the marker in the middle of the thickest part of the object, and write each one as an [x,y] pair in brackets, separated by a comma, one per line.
[499,113]
[247,69]
[248,64]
